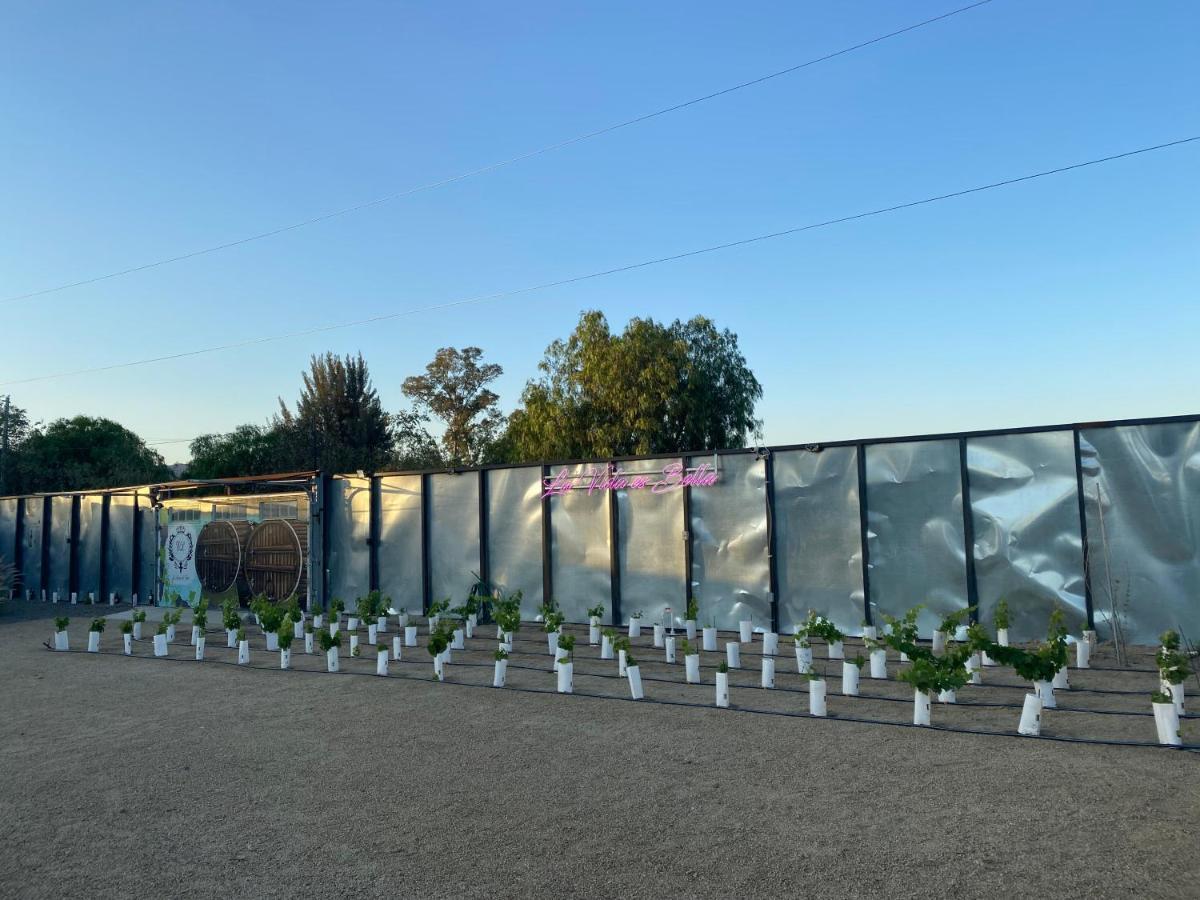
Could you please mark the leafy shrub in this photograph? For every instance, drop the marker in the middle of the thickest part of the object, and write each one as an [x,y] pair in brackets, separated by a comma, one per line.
[1000,616]
[61,623]
[98,625]
[329,641]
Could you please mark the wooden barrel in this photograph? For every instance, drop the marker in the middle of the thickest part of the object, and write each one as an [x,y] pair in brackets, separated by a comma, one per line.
[219,555]
[276,559]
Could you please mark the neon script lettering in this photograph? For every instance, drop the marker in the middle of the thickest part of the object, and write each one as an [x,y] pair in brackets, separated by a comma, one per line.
[674,476]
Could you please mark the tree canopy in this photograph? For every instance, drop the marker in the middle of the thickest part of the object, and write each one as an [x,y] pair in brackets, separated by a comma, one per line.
[652,389]
[454,388]
[84,453]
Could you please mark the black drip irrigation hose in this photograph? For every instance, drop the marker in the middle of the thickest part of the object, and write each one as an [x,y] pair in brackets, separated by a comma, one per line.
[1104,742]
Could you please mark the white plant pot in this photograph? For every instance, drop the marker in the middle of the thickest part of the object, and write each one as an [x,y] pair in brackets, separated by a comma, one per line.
[709,638]
[1031,716]
[733,655]
[500,673]
[499,632]
[128,641]
[903,656]
[921,707]
[722,689]
[410,635]
[1090,637]
[691,664]
[74,598]
[381,625]
[939,642]
[634,674]
[170,634]
[458,639]
[552,643]
[1176,691]
[560,653]
[836,651]
[137,631]
[195,634]
[1061,681]
[200,650]
[606,647]
[803,659]
[372,634]
[93,642]
[746,631]
[440,663]
[1083,654]
[272,641]
[768,672]
[352,624]
[381,662]
[566,676]
[988,661]
[112,599]
[506,641]
[473,621]
[879,663]
[659,634]
[1045,692]
[622,668]
[947,697]
[297,630]
[331,659]
[960,633]
[401,620]
[1002,637]
[669,648]
[870,633]
[285,658]
[160,645]
[850,675]
[243,653]
[230,637]
[334,627]
[770,644]
[308,643]
[594,631]
[318,621]
[353,643]
[689,626]
[816,697]
[635,628]
[1166,720]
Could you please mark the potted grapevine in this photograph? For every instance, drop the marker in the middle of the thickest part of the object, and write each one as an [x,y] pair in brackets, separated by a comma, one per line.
[635,676]
[566,670]
[310,626]
[851,669]
[271,619]
[816,693]
[622,645]
[1000,622]
[691,662]
[722,685]
[139,617]
[243,648]
[160,639]
[709,636]
[566,646]
[501,671]
[285,648]
[331,642]
[127,637]
[746,631]
[594,615]
[553,626]
[607,639]
[94,632]
[803,650]
[1173,669]
[381,659]
[733,654]
[635,624]
[693,615]
[439,643]
[1166,718]
[948,629]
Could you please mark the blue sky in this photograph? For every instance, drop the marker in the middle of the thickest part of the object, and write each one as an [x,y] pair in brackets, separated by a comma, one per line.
[135,131]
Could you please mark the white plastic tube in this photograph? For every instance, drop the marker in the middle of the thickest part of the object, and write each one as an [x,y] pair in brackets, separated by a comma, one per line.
[939,642]
[500,673]
[459,639]
[410,635]
[947,697]
[879,663]
[352,624]
[803,659]
[689,625]
[297,630]
[1176,691]
[506,641]
[973,667]
[988,661]
[285,658]
[768,672]
[1061,681]
[373,634]
[635,682]
[746,631]
[622,669]
[195,634]
[273,640]
[128,640]
[920,707]
[870,633]
[560,653]
[816,697]
[1002,637]
[659,634]
[1166,720]
[381,663]
[594,631]
[669,649]
[1045,692]
[308,643]
[960,633]
[230,636]
[709,638]
[635,627]
[331,659]
[137,631]
[722,689]
[1031,716]
[200,649]
[552,643]
[733,655]
[353,643]
[1083,654]
[170,634]
[692,666]
[770,644]
[566,677]
[243,653]
[850,679]
[606,647]
[160,645]
[836,650]
[93,642]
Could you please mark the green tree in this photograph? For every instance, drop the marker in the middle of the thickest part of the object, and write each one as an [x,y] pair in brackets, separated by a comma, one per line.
[247,450]
[454,388]
[339,424]
[84,453]
[652,389]
[14,428]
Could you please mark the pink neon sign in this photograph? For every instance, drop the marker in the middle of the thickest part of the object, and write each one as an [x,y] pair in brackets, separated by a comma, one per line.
[674,476]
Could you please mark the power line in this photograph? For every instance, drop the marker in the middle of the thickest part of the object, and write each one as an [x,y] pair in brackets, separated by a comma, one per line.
[491,167]
[742,242]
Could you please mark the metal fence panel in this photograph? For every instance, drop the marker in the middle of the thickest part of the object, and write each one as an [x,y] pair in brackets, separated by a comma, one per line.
[453,535]
[400,541]
[730,572]
[514,516]
[580,565]
[1142,493]
[817,537]
[8,531]
[1025,513]
[91,532]
[348,511]
[60,548]
[651,534]
[31,552]
[915,538]
[120,547]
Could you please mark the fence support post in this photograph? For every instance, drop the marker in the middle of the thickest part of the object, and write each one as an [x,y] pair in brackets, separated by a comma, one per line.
[772,569]
[426,572]
[1083,532]
[860,457]
[105,526]
[614,559]
[547,579]
[968,531]
[485,563]
[374,529]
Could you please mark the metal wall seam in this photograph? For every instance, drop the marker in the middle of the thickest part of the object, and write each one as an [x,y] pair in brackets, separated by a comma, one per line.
[860,456]
[614,550]
[547,579]
[772,563]
[968,532]
[1083,532]
[426,573]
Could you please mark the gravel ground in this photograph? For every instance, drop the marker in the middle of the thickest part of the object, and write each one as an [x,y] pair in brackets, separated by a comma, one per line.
[140,777]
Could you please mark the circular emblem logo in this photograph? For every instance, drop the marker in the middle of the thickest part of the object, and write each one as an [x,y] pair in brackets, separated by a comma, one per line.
[180,547]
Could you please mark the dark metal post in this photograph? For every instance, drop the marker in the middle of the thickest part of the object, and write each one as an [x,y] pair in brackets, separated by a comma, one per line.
[19,543]
[374,530]
[44,571]
[105,507]
[772,569]
[1083,531]
[318,516]
[547,579]
[73,544]
[426,573]
[135,581]
[614,552]
[688,583]
[860,455]
[968,530]
[485,575]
